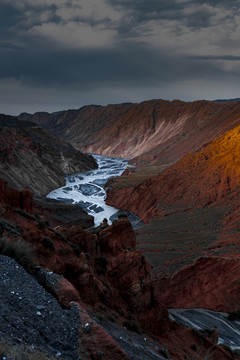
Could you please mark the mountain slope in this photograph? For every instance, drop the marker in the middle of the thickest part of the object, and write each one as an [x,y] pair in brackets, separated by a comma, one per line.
[192,232]
[33,158]
[156,130]
[198,179]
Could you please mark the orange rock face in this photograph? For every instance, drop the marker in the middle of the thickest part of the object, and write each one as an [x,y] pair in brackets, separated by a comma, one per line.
[203,182]
[198,179]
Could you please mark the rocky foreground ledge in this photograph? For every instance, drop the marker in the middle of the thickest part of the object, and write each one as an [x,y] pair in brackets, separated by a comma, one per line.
[30,315]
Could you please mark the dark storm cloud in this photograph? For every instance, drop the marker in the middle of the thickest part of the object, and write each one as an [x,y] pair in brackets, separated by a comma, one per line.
[8,17]
[166,8]
[132,44]
[215,57]
[93,67]
[144,11]
[194,14]
[14,23]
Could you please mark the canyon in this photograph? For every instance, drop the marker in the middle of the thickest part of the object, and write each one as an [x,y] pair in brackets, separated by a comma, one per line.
[185,187]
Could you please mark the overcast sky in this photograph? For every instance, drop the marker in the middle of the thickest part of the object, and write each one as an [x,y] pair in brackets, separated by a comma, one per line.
[61,54]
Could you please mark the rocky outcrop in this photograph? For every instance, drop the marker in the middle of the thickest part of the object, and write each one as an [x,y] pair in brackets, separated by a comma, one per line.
[104,267]
[32,158]
[101,270]
[62,214]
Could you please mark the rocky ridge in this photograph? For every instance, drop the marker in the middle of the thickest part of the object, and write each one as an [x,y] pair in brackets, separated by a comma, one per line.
[153,131]
[33,158]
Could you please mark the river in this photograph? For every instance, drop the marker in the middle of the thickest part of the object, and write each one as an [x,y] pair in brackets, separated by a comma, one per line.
[86,189]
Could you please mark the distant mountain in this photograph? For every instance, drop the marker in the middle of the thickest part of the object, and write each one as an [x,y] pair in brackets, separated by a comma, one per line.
[33,158]
[226,100]
[153,131]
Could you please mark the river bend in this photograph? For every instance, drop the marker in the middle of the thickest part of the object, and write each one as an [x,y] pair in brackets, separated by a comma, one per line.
[86,189]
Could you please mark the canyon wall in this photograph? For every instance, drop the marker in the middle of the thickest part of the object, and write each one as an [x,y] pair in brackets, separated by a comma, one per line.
[33,158]
[192,217]
[152,131]
[199,179]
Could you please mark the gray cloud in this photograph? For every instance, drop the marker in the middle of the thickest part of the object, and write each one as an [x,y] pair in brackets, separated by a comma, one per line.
[216,57]
[142,11]
[110,49]
[8,17]
[90,68]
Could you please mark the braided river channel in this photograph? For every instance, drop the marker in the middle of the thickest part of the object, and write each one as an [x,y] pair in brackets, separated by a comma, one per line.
[86,189]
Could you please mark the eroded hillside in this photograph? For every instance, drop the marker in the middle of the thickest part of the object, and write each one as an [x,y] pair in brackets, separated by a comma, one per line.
[153,131]
[35,159]
[191,212]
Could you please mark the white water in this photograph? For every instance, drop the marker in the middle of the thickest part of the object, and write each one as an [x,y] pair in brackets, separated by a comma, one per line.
[87,188]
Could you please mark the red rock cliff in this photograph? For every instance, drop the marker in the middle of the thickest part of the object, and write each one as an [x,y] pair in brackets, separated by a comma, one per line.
[158,130]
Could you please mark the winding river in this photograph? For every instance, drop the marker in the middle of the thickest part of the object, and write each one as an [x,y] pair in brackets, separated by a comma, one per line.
[86,189]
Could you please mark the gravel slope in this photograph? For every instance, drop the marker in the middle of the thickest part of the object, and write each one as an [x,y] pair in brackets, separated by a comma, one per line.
[31,316]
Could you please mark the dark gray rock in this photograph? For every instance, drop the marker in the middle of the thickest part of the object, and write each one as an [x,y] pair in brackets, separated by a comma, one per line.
[63,213]
[28,312]
[88,189]
[134,219]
